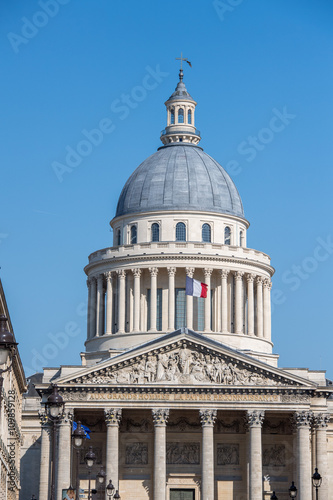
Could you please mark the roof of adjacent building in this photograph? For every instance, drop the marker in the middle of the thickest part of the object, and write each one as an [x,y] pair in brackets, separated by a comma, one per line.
[180,176]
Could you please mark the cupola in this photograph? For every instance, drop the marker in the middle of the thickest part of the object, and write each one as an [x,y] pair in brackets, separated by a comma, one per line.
[180,116]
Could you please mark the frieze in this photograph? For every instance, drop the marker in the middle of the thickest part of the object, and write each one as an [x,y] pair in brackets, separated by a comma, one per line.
[136,454]
[129,425]
[274,456]
[228,427]
[183,365]
[183,424]
[227,454]
[183,453]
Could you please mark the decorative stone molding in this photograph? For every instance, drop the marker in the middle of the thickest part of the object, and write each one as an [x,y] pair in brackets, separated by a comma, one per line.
[121,273]
[153,271]
[238,275]
[274,456]
[208,272]
[250,278]
[160,416]
[224,427]
[207,417]
[259,280]
[255,418]
[171,271]
[267,283]
[130,425]
[224,273]
[137,272]
[189,271]
[303,418]
[112,416]
[320,420]
[182,453]
[108,275]
[183,424]
[136,454]
[227,454]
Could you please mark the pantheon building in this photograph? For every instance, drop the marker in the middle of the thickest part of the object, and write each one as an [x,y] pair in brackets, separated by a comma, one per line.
[183,395]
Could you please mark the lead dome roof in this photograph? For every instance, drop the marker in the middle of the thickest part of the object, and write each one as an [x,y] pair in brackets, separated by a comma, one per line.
[180,177]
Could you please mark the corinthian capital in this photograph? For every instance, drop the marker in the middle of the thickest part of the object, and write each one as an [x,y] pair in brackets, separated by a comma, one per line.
[254,418]
[108,275]
[207,417]
[267,283]
[137,272]
[224,273]
[190,271]
[121,273]
[153,271]
[239,275]
[171,271]
[303,418]
[160,416]
[207,272]
[250,278]
[112,416]
[321,420]
[259,280]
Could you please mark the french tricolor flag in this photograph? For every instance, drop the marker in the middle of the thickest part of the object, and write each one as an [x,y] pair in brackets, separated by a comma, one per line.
[196,288]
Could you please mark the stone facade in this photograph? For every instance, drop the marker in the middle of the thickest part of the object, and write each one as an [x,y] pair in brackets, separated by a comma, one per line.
[181,393]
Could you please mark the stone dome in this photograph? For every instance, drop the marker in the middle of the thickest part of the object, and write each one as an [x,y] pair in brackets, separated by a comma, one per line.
[180,176]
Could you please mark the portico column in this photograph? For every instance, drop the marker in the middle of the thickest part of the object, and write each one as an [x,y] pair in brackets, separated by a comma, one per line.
[259,307]
[89,309]
[153,297]
[109,296]
[255,419]
[250,304]
[137,274]
[112,419]
[239,302]
[64,453]
[224,300]
[320,422]
[207,418]
[121,300]
[160,417]
[171,299]
[189,301]
[208,273]
[100,306]
[303,423]
[267,309]
[92,315]
[45,458]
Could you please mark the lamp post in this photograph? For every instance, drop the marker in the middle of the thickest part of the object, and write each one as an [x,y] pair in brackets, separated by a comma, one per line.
[89,459]
[111,492]
[100,476]
[274,497]
[293,490]
[78,436]
[316,481]
[55,407]
[7,350]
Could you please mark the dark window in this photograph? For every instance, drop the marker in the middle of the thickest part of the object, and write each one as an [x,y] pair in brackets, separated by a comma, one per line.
[172,116]
[189,116]
[180,232]
[206,233]
[133,235]
[118,237]
[227,235]
[155,232]
[158,309]
[241,238]
[199,314]
[180,308]
[180,115]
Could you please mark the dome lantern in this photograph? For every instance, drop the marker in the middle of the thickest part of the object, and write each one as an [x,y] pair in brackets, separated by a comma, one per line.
[180,116]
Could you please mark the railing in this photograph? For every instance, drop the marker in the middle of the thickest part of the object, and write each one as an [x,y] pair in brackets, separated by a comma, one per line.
[182,131]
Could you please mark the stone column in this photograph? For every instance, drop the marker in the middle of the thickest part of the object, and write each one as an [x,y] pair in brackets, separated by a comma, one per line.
[250,304]
[121,300]
[112,419]
[100,306]
[189,301]
[109,297]
[207,418]
[137,274]
[45,458]
[303,423]
[64,453]
[89,309]
[92,315]
[160,417]
[259,307]
[153,298]
[267,309]
[239,303]
[208,273]
[171,299]
[224,300]
[320,422]
[254,420]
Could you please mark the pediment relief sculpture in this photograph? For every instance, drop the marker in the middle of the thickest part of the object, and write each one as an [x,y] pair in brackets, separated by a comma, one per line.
[184,365]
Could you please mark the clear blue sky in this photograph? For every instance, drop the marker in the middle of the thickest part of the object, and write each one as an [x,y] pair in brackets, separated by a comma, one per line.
[251,61]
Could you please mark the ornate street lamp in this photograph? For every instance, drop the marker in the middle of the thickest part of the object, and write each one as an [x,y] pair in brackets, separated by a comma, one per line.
[78,436]
[7,350]
[111,492]
[89,459]
[274,497]
[292,490]
[316,481]
[54,407]
[100,476]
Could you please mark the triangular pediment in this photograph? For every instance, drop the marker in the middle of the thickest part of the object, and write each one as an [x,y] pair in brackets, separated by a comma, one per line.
[183,358]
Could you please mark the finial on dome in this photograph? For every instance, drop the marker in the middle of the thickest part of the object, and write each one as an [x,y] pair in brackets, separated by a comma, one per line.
[181,75]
